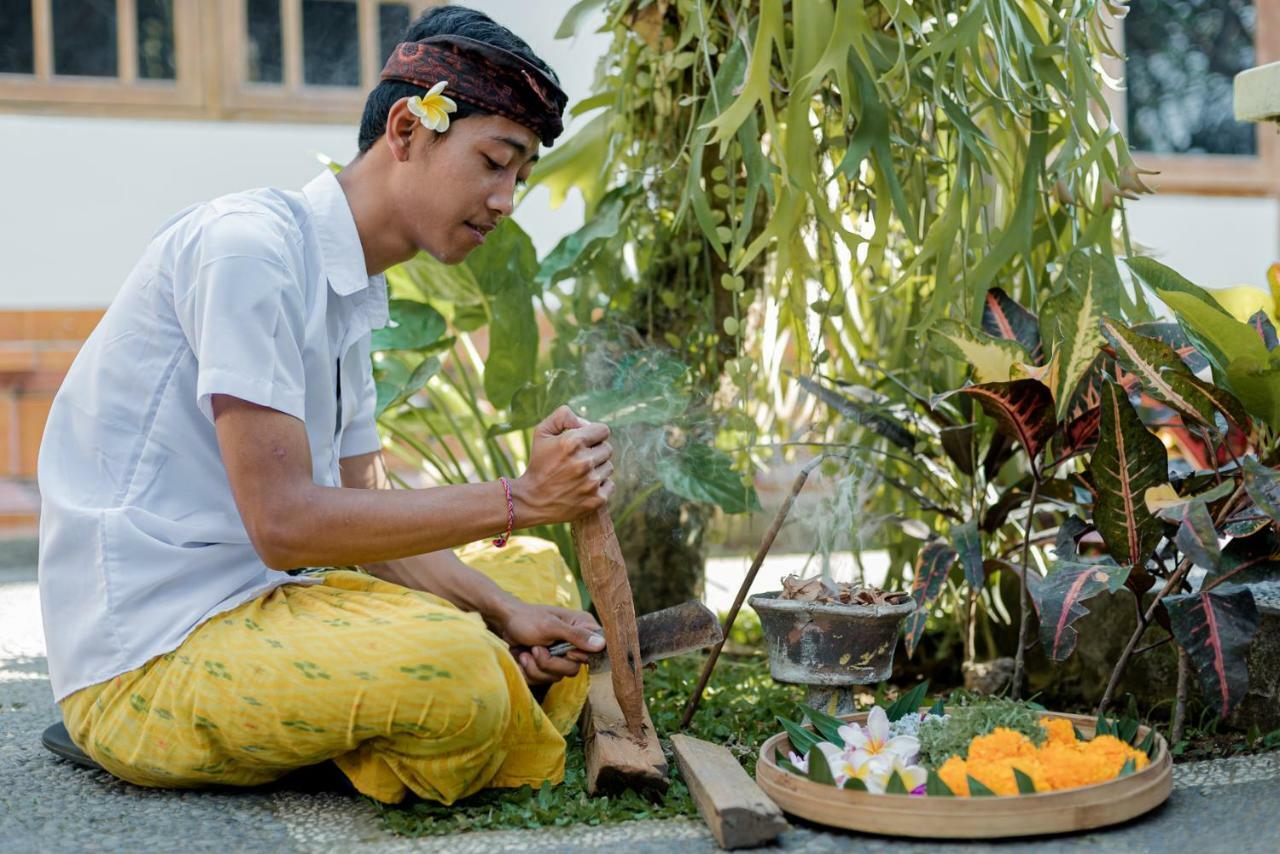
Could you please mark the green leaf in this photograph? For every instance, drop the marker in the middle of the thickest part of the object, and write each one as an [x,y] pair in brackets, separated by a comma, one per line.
[938,708]
[1060,596]
[1263,486]
[1256,382]
[648,387]
[1148,745]
[1160,371]
[1004,318]
[533,402]
[1026,786]
[576,250]
[932,565]
[1265,328]
[935,788]
[505,266]
[1127,768]
[863,414]
[801,739]
[1163,279]
[1075,316]
[853,784]
[578,162]
[977,790]
[1128,461]
[908,702]
[826,725]
[756,89]
[1219,399]
[1022,410]
[1174,335]
[1197,537]
[1247,559]
[572,20]
[1221,337]
[895,785]
[1216,628]
[819,769]
[968,545]
[435,282]
[413,325]
[992,359]
[399,385]
[701,473]
[1078,435]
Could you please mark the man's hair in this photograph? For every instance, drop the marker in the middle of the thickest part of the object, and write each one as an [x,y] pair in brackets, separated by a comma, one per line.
[441,21]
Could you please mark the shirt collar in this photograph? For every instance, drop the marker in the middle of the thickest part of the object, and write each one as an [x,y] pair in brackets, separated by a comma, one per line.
[340,247]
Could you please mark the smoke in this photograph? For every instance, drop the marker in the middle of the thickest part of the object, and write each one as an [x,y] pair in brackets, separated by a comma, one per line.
[647,397]
[840,524]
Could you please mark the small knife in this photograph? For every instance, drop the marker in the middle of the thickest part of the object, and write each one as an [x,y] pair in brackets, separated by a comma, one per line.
[663,634]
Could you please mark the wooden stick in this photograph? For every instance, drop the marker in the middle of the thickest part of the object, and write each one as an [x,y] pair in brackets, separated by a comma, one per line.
[765,545]
[736,810]
[605,573]
[615,760]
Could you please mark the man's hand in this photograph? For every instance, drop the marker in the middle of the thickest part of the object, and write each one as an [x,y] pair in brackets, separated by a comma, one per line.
[530,629]
[569,471]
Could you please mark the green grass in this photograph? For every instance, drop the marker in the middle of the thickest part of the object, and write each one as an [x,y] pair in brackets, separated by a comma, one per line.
[739,710]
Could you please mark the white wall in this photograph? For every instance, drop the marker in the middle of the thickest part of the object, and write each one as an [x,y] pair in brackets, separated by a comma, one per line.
[79,197]
[1216,242]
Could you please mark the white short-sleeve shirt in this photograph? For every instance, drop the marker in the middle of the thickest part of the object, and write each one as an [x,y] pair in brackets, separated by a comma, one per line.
[262,295]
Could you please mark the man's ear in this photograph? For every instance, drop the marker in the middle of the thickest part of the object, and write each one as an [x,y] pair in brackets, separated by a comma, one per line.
[400,126]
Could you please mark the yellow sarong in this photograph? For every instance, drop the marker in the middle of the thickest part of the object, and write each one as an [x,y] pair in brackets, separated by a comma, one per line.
[400,688]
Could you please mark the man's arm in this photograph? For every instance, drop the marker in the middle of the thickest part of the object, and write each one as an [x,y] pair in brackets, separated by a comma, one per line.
[444,575]
[294,522]
[438,572]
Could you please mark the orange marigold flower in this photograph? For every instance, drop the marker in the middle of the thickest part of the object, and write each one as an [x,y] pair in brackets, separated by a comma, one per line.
[1001,743]
[953,773]
[997,774]
[1060,730]
[1067,766]
[1114,753]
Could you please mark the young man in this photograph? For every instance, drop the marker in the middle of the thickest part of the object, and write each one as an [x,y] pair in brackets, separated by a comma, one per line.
[218,429]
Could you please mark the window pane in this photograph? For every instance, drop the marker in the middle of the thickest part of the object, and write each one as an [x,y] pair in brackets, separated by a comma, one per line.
[1183,55]
[330,44]
[155,40]
[265,51]
[17,42]
[393,20]
[84,37]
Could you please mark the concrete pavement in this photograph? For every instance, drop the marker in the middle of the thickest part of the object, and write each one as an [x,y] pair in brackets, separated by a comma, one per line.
[49,805]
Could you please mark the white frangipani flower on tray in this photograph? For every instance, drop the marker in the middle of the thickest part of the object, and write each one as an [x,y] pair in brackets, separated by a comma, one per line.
[875,739]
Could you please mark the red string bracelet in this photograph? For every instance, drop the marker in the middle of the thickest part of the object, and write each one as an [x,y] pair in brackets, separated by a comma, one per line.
[511,513]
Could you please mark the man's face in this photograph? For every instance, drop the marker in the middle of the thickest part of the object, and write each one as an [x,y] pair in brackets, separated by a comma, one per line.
[462,182]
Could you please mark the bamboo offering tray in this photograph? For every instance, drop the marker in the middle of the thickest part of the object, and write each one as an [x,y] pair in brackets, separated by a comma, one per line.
[1066,811]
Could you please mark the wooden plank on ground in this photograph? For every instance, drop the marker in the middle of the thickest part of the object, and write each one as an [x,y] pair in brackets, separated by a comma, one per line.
[738,812]
[616,759]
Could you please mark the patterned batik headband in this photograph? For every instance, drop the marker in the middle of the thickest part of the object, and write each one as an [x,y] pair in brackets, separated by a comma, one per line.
[484,76]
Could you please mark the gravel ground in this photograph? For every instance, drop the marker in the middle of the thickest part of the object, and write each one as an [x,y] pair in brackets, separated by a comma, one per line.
[49,805]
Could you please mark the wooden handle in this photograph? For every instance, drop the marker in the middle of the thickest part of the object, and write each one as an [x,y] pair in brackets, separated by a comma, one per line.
[605,573]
